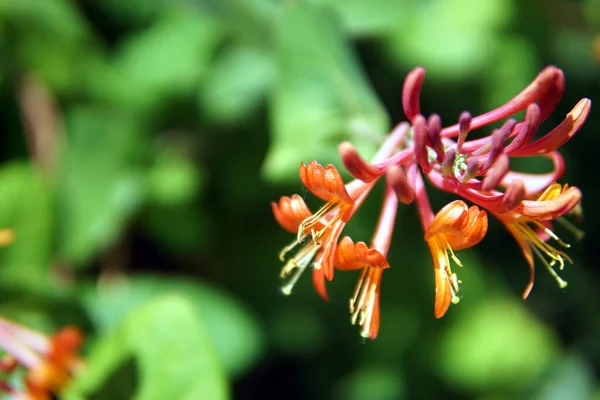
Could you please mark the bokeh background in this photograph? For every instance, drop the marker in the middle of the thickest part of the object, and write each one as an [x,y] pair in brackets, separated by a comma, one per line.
[143,140]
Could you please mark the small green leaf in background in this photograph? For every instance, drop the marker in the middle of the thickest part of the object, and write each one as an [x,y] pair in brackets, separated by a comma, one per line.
[369,18]
[452,38]
[373,383]
[56,37]
[173,179]
[513,69]
[236,83]
[102,184]
[25,207]
[235,334]
[165,340]
[169,58]
[321,96]
[571,378]
[496,344]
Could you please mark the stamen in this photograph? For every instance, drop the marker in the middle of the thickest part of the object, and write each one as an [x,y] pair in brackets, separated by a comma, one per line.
[544,250]
[551,234]
[454,288]
[297,266]
[454,257]
[363,304]
[313,219]
[368,315]
[561,283]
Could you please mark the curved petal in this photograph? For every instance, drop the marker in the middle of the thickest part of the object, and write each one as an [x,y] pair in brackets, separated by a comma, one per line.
[443,293]
[449,218]
[350,256]
[290,212]
[356,165]
[561,134]
[550,209]
[473,231]
[545,82]
[411,92]
[324,182]
[535,183]
[319,283]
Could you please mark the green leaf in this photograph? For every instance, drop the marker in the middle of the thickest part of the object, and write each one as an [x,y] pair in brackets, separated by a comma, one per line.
[514,68]
[236,84]
[51,39]
[320,97]
[102,183]
[173,180]
[496,344]
[451,38]
[26,208]
[372,382]
[369,18]
[169,58]
[164,346]
[235,335]
[571,378]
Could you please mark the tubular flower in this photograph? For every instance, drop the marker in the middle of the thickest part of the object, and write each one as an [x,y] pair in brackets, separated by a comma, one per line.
[455,227]
[364,304]
[317,234]
[476,169]
[50,361]
[530,225]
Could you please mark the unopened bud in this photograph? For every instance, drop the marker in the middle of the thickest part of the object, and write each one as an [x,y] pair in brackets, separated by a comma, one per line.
[397,179]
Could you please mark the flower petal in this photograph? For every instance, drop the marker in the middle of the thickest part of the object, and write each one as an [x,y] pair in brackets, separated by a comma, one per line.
[474,230]
[561,134]
[324,182]
[550,209]
[356,165]
[411,92]
[535,183]
[451,217]
[290,212]
[546,81]
[350,256]
[319,283]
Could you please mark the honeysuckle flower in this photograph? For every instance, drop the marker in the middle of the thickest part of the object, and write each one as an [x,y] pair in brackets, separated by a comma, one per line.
[50,362]
[317,234]
[364,304]
[455,227]
[530,224]
[476,169]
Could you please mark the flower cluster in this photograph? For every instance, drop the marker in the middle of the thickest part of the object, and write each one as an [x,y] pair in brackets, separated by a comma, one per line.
[478,170]
[50,362]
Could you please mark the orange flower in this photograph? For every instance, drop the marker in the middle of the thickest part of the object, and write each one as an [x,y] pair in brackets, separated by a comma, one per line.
[364,304]
[530,225]
[317,234]
[455,227]
[50,361]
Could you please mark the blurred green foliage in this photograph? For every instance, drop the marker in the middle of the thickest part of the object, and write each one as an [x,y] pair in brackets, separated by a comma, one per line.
[143,140]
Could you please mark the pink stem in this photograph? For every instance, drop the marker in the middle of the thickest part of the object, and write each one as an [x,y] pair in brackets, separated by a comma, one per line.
[385,226]
[424,207]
